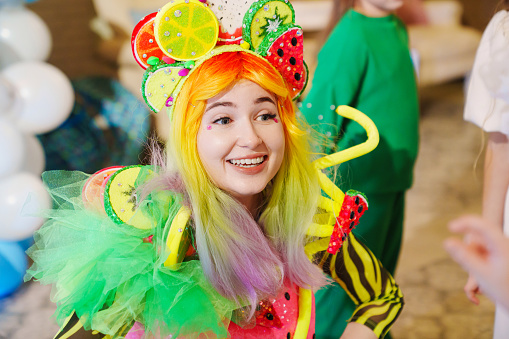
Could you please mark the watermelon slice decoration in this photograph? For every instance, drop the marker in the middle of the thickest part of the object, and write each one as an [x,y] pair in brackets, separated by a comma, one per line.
[143,42]
[284,49]
[230,23]
[266,315]
[227,38]
[354,206]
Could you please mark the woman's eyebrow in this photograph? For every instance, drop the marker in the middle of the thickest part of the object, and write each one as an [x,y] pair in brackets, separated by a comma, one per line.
[264,99]
[220,103]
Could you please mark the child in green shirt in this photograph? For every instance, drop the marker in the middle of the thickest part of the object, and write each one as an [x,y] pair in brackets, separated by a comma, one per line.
[366,64]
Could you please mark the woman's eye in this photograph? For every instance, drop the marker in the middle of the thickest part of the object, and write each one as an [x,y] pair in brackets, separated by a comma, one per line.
[266,117]
[222,121]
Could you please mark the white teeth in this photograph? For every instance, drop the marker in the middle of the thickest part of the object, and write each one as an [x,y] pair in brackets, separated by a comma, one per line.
[247,162]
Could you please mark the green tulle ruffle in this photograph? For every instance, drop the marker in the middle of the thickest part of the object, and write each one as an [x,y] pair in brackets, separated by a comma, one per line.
[111,277]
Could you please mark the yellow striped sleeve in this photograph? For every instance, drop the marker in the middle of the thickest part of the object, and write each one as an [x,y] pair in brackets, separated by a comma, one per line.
[73,329]
[378,298]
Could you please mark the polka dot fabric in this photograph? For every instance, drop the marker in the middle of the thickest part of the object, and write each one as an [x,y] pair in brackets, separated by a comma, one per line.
[279,318]
[285,53]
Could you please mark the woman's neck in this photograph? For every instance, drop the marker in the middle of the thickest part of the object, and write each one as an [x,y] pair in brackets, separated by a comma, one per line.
[252,203]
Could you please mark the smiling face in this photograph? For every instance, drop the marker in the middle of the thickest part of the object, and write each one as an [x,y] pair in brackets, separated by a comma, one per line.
[241,140]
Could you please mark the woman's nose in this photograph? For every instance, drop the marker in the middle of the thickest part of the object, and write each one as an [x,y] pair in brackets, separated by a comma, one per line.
[248,135]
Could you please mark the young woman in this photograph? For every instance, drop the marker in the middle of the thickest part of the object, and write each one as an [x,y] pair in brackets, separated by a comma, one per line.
[222,245]
[487,105]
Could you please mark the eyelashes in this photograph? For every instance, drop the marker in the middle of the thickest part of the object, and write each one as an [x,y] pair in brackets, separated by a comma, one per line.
[269,116]
[222,121]
[225,120]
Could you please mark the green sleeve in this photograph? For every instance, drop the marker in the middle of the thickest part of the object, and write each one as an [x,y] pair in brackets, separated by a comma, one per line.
[378,298]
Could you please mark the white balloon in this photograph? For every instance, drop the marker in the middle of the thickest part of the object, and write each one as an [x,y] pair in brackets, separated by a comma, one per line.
[9,100]
[45,94]
[34,160]
[8,56]
[6,95]
[23,196]
[25,33]
[12,149]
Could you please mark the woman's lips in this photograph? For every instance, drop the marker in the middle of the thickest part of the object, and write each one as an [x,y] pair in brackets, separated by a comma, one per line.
[249,165]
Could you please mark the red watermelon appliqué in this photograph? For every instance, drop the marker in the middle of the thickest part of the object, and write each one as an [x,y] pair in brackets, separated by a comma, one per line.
[286,53]
[354,206]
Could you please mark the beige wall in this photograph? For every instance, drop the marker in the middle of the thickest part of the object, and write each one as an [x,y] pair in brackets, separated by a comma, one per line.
[74,44]
[477,13]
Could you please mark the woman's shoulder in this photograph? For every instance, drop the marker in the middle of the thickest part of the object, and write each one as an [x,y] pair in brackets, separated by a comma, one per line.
[484,105]
[132,201]
[123,194]
[138,245]
[502,15]
[498,25]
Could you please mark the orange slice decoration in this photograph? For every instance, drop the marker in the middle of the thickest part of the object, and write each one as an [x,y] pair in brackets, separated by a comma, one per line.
[143,42]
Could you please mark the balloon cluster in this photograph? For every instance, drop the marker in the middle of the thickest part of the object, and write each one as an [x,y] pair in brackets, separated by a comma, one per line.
[35,97]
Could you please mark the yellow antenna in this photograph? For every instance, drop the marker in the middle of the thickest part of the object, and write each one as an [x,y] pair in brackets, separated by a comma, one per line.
[324,228]
[357,150]
[177,228]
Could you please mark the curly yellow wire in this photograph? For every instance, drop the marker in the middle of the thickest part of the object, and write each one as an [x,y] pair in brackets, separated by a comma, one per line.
[357,150]
[304,318]
[177,228]
[333,205]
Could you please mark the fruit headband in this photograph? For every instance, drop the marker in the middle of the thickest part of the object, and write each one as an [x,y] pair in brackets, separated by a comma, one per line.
[172,42]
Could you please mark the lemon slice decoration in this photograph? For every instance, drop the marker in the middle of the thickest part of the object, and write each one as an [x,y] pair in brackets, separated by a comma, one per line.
[264,17]
[120,200]
[159,84]
[186,29]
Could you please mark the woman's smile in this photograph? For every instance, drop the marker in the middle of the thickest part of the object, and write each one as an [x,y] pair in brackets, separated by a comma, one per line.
[249,165]
[241,141]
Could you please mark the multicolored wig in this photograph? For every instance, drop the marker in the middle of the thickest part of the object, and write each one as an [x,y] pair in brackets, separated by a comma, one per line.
[244,259]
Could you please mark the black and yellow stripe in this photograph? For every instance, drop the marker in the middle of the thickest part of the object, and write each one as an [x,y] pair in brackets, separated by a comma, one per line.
[73,328]
[378,298]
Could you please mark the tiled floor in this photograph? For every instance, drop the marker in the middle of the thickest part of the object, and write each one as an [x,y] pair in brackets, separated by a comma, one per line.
[446,185]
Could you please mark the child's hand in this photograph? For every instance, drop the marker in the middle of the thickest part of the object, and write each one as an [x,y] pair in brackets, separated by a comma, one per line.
[486,258]
[472,289]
